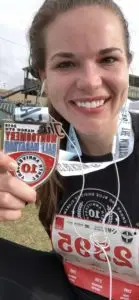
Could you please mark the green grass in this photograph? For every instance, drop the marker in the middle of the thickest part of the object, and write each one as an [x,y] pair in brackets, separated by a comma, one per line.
[26,231]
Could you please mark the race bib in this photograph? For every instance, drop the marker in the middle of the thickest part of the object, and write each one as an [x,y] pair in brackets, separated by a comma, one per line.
[85,262]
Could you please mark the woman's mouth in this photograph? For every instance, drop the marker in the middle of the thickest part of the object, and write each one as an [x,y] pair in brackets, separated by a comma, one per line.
[90,106]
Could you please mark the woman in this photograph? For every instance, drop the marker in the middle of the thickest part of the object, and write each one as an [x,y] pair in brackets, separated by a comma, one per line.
[81,52]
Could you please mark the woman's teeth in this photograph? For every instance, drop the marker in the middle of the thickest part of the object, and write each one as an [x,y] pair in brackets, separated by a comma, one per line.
[90,104]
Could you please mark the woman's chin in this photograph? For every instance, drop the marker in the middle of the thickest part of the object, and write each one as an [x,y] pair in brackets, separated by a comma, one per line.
[92,128]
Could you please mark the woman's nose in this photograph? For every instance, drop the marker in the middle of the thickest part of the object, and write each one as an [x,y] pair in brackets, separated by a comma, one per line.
[89,78]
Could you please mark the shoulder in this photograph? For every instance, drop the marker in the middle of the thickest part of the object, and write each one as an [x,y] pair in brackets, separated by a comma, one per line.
[135,124]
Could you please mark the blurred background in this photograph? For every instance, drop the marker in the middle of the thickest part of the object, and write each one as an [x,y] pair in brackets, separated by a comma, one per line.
[17,86]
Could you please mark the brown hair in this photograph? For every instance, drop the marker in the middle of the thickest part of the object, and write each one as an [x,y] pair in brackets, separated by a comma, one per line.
[49,193]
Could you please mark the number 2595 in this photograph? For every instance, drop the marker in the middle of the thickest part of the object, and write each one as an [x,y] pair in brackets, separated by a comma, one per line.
[121,257]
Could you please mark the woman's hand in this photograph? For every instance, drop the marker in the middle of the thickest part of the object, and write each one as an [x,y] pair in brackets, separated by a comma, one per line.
[14,193]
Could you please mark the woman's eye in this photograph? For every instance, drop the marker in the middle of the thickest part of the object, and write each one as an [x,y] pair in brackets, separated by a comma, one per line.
[65,65]
[109,60]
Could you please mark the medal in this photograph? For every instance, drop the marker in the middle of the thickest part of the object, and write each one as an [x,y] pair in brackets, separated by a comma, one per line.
[33,141]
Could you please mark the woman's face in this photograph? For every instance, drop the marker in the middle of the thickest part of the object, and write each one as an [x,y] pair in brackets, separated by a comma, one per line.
[86,67]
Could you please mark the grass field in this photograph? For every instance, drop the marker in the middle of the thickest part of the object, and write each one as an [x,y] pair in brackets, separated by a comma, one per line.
[27,231]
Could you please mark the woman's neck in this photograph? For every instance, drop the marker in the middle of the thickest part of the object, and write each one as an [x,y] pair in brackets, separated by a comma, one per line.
[96,146]
[99,143]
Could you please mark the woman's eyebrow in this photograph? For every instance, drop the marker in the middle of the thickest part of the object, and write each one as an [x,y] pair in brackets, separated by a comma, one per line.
[109,50]
[70,55]
[63,55]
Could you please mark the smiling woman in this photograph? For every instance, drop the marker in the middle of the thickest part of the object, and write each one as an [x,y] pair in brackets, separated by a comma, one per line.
[80,50]
[93,72]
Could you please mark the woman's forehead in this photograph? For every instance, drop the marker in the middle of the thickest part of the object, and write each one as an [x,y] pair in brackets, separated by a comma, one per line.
[86,27]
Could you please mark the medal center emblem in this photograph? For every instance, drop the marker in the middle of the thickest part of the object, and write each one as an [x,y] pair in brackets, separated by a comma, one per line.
[30,167]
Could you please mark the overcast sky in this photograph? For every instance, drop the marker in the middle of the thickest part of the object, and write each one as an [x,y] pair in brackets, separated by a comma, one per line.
[15,18]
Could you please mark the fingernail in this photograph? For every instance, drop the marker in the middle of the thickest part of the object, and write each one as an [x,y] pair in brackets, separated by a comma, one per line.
[13,166]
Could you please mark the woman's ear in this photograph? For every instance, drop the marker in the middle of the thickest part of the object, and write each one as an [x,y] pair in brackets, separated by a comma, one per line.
[42,75]
[131,56]
[43,87]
